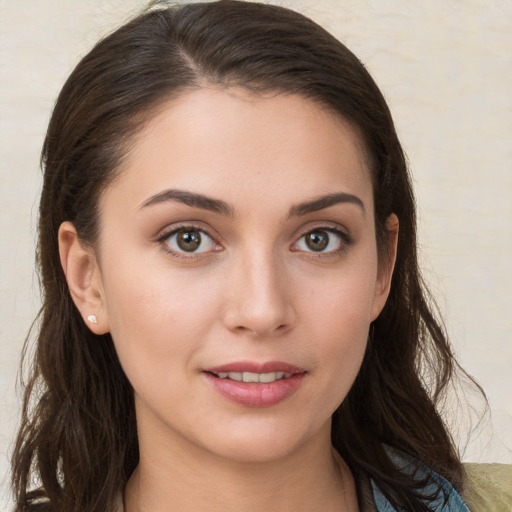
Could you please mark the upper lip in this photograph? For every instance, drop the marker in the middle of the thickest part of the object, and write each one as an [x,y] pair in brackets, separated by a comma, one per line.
[255,367]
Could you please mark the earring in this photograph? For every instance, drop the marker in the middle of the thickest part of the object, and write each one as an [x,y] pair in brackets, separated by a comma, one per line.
[92,319]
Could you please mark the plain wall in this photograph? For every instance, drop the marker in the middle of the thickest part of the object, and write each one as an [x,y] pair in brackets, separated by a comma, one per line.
[445,68]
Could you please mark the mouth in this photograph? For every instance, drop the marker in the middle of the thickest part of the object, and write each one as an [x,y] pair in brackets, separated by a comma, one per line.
[256,385]
[265,378]
[251,372]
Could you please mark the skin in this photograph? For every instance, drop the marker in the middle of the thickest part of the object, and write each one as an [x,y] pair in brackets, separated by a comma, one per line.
[254,291]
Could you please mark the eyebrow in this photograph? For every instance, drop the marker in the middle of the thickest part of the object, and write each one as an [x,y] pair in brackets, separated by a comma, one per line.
[190,199]
[218,206]
[326,201]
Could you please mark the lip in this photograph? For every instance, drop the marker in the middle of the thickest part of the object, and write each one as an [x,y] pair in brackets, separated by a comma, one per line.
[254,367]
[249,394]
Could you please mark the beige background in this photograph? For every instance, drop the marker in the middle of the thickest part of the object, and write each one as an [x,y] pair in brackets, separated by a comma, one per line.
[445,67]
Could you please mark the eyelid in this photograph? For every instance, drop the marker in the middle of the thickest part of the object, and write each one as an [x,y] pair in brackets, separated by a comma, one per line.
[168,231]
[347,239]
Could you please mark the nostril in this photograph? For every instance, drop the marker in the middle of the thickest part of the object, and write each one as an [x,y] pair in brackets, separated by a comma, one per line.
[260,332]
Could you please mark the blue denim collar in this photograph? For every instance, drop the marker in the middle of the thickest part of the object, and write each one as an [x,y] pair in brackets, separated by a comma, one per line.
[447,499]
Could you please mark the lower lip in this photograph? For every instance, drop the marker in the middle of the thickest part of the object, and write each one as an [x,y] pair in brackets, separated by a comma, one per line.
[252,394]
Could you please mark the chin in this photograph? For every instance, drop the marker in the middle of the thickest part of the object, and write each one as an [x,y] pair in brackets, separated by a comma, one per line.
[267,442]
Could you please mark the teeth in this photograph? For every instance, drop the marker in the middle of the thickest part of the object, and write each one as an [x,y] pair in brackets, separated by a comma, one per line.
[250,377]
[268,377]
[254,377]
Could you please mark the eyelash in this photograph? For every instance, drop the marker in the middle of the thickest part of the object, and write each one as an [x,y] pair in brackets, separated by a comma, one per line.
[164,237]
[346,241]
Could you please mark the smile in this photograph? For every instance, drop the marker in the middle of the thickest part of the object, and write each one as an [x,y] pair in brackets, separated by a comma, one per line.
[251,384]
[254,377]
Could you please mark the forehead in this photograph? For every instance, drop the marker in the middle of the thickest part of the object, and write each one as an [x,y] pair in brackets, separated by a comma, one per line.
[234,144]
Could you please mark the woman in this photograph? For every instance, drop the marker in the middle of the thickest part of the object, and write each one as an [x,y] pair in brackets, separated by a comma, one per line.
[233,314]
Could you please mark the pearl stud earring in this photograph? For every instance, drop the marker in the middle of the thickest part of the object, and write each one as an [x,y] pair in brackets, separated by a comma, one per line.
[92,319]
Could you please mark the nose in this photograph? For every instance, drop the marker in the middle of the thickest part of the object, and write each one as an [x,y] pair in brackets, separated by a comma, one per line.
[259,297]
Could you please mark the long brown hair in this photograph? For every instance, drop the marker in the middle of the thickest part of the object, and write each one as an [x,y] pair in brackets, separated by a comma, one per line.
[78,438]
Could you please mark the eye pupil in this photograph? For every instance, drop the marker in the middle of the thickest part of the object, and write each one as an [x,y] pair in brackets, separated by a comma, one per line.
[189,240]
[317,240]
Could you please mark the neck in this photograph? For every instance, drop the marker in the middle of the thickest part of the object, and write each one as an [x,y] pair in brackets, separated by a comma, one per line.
[313,477]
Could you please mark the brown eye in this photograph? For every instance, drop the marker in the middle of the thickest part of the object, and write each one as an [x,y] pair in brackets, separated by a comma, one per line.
[317,240]
[189,240]
[323,240]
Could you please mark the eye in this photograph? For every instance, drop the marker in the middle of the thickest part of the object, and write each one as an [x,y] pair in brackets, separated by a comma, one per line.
[322,240]
[189,240]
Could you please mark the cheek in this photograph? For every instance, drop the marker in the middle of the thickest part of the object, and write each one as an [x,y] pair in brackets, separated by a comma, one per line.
[342,301]
[343,324]
[340,316]
[156,317]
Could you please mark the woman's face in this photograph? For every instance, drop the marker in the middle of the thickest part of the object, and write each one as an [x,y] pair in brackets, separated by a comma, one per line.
[238,245]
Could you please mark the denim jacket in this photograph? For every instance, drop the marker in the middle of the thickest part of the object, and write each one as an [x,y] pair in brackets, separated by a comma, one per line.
[448,500]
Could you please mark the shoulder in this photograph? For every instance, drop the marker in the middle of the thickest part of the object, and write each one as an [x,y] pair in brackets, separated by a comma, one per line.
[439,494]
[488,487]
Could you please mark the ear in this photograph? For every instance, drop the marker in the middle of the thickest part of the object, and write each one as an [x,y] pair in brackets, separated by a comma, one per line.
[386,267]
[83,276]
